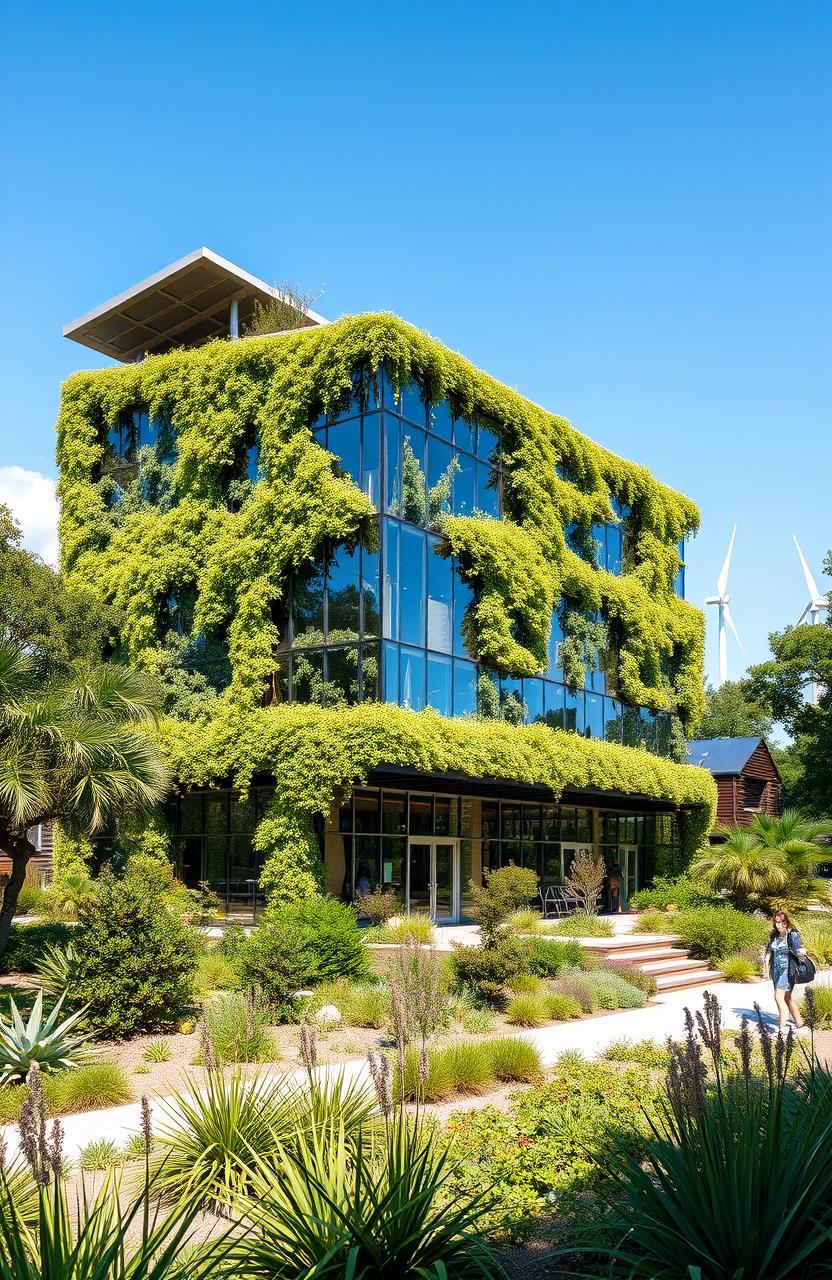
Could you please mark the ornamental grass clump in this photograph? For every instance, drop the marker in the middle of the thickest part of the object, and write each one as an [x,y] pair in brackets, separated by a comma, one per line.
[238,1024]
[360,1004]
[740,968]
[412,928]
[514,1060]
[560,1007]
[528,1011]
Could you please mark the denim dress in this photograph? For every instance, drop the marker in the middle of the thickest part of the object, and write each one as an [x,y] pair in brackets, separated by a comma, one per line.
[780,958]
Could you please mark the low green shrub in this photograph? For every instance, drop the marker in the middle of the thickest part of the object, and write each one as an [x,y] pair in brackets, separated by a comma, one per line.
[504,891]
[612,992]
[474,1021]
[278,960]
[525,984]
[487,969]
[575,984]
[101,1154]
[527,1011]
[739,968]
[329,928]
[470,1066]
[644,1053]
[561,1008]
[379,907]
[823,1005]
[415,928]
[682,892]
[32,900]
[360,1004]
[28,942]
[816,936]
[136,960]
[215,972]
[239,1027]
[525,922]
[12,1097]
[548,958]
[580,925]
[652,922]
[632,974]
[551,1145]
[513,1059]
[715,932]
[91,1087]
[231,943]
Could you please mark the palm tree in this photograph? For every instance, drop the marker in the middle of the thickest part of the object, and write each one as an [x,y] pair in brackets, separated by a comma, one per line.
[770,861]
[794,837]
[78,748]
[743,866]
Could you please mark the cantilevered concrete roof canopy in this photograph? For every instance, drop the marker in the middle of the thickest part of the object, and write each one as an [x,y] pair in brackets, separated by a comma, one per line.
[202,296]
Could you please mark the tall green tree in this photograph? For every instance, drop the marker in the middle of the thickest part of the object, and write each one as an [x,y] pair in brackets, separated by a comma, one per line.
[801,662]
[731,712]
[77,747]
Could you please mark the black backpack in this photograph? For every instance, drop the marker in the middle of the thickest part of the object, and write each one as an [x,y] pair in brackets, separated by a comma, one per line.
[801,968]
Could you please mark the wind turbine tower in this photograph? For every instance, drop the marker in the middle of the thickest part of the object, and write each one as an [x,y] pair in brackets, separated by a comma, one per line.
[817,605]
[721,599]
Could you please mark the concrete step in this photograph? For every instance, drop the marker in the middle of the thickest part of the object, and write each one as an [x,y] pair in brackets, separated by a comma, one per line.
[672,964]
[646,956]
[702,977]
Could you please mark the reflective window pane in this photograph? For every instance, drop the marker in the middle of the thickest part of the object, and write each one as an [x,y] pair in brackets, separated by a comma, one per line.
[463,597]
[439,599]
[342,676]
[308,604]
[394,813]
[345,443]
[465,688]
[369,672]
[392,464]
[465,435]
[488,446]
[370,592]
[421,815]
[441,468]
[439,684]
[371,459]
[393,855]
[413,595]
[412,406]
[413,500]
[367,810]
[533,698]
[440,421]
[594,715]
[488,496]
[344,586]
[554,701]
[464,488]
[570,710]
[412,678]
[555,643]
[308,676]
[390,654]
[390,598]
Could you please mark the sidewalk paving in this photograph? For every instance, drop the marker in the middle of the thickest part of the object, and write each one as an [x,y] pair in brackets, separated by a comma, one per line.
[657,1021]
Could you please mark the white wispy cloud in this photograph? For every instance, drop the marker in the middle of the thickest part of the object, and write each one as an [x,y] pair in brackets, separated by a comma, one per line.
[34,504]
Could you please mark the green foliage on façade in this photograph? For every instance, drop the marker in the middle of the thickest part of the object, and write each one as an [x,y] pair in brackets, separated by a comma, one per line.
[187,524]
[207,531]
[312,752]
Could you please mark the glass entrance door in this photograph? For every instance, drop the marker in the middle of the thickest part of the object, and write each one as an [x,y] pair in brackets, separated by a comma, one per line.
[433,878]
[628,858]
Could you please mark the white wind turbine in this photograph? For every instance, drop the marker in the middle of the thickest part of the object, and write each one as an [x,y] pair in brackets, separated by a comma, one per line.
[721,599]
[817,604]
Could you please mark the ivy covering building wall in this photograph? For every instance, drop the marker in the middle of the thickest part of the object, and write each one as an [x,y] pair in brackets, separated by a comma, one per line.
[185,529]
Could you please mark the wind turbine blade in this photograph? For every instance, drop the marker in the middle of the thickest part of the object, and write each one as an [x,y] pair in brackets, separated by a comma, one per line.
[814,594]
[730,621]
[803,614]
[722,580]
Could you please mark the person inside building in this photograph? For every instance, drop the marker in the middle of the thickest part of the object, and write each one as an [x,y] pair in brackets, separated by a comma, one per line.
[615,888]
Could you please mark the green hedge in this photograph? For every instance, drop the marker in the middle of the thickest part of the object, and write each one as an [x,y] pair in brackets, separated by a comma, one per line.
[27,943]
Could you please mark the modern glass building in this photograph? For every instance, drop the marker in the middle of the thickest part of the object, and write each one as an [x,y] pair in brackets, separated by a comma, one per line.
[387,594]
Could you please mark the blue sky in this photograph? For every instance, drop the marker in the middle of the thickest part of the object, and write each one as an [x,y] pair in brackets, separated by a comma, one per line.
[623,210]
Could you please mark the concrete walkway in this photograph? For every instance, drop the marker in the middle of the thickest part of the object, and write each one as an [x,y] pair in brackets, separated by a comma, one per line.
[657,1021]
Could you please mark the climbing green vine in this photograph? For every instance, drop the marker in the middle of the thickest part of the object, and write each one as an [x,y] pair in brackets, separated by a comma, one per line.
[196,550]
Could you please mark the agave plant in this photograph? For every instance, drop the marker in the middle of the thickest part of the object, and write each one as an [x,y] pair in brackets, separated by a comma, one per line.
[376,1204]
[45,1041]
[56,967]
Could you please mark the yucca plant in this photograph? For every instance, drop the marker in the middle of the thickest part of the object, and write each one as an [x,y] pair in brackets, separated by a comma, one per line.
[376,1204]
[55,968]
[214,1138]
[46,1041]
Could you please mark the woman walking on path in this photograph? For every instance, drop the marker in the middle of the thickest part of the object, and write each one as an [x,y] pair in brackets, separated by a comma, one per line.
[784,938]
